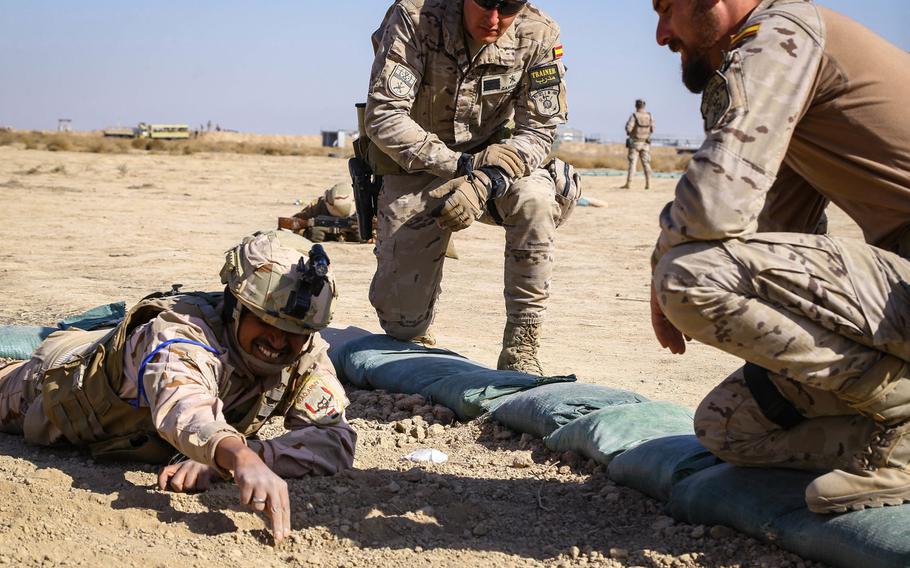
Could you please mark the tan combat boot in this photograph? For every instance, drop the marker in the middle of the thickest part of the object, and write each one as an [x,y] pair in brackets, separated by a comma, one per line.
[520,343]
[881,476]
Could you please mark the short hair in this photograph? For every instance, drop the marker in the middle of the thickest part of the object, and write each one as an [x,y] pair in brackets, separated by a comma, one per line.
[639,103]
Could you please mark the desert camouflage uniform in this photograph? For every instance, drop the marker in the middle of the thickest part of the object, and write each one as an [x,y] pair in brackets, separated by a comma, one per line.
[428,103]
[319,207]
[639,128]
[195,396]
[809,108]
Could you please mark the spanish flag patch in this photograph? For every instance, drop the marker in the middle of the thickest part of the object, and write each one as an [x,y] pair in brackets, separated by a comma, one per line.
[744,35]
[557,52]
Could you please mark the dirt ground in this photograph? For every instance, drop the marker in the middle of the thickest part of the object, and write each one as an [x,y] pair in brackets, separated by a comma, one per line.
[79,230]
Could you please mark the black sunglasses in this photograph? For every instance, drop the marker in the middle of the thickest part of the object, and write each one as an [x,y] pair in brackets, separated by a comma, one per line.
[505,7]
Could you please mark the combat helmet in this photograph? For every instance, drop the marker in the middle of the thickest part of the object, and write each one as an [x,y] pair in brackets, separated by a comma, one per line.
[339,199]
[282,278]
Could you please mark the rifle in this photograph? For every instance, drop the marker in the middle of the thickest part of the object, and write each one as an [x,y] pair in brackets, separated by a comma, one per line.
[366,192]
[297,224]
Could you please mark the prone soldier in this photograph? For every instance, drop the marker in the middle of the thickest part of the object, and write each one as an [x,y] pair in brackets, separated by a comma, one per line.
[463,104]
[639,128]
[191,378]
[802,106]
[330,217]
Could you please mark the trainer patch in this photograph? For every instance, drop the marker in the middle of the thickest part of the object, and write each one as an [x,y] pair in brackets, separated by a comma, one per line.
[544,76]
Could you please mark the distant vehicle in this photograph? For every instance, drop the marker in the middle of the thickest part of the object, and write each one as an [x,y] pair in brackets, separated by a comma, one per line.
[153,131]
[164,131]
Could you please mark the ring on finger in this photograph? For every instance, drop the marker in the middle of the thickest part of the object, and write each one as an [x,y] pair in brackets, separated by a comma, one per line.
[258,500]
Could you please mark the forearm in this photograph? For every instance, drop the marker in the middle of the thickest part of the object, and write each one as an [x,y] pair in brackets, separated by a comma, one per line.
[309,451]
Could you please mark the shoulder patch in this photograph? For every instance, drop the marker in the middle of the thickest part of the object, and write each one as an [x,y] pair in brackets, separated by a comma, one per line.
[544,76]
[715,102]
[546,101]
[322,400]
[745,35]
[401,82]
[557,52]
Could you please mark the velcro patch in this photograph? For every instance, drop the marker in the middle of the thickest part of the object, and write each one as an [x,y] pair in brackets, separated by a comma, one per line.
[557,52]
[544,76]
[322,400]
[497,84]
[401,82]
[715,102]
[546,101]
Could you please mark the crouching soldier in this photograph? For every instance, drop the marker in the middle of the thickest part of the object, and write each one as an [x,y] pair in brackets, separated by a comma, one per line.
[330,217]
[195,376]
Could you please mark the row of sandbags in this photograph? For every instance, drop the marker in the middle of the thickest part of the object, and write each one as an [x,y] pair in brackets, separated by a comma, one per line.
[20,341]
[647,445]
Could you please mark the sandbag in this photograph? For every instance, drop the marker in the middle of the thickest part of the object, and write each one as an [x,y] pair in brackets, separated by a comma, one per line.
[655,466]
[444,377]
[604,433]
[769,504]
[20,341]
[542,410]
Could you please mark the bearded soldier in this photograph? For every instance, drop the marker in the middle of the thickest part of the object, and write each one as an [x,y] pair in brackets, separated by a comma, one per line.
[802,106]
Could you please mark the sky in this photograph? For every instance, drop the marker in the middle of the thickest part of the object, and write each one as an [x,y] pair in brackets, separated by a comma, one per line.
[298,66]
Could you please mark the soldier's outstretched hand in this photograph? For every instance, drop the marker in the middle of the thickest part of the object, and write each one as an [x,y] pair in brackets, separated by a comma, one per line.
[667,335]
[259,486]
[186,476]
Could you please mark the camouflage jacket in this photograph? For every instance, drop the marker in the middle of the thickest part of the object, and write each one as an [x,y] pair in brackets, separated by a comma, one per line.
[808,108]
[640,126]
[428,101]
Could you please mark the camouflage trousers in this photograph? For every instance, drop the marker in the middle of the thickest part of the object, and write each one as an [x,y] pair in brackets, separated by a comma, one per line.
[639,150]
[21,406]
[411,247]
[827,317]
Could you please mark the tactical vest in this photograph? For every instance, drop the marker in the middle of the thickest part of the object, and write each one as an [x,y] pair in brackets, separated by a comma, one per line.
[84,373]
[642,130]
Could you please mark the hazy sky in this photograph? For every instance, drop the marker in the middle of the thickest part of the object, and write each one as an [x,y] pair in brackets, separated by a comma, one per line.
[298,66]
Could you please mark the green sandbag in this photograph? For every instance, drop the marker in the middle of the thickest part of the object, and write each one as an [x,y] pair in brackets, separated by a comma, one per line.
[656,466]
[20,341]
[606,432]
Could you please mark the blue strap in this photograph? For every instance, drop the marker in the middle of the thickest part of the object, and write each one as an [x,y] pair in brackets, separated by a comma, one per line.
[141,391]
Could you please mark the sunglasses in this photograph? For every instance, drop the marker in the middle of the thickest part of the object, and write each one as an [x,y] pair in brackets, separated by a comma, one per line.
[505,7]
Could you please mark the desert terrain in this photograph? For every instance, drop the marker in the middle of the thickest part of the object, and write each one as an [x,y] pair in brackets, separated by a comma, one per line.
[83,229]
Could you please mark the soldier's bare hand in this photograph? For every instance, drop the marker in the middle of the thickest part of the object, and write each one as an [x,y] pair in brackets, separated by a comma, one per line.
[667,335]
[260,488]
[502,156]
[186,476]
[460,202]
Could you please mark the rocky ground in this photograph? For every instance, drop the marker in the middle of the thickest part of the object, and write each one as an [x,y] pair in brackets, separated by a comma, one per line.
[79,230]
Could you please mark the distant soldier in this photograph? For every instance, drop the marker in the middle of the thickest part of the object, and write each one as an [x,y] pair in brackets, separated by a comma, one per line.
[191,378]
[639,128]
[802,107]
[330,217]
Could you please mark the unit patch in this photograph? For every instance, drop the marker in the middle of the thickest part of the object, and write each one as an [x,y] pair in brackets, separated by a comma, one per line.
[543,76]
[401,82]
[715,102]
[497,84]
[320,401]
[546,101]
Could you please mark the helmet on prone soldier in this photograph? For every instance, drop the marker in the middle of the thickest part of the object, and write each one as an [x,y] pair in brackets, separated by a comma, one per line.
[339,199]
[283,279]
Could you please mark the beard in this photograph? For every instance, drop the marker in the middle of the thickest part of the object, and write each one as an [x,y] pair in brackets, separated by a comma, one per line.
[696,67]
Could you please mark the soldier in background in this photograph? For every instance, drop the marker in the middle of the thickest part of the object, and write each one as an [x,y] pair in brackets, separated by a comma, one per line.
[639,128]
[190,379]
[330,217]
[447,79]
[801,106]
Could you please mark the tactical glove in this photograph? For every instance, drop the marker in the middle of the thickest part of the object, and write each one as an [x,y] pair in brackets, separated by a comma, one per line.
[462,201]
[502,156]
